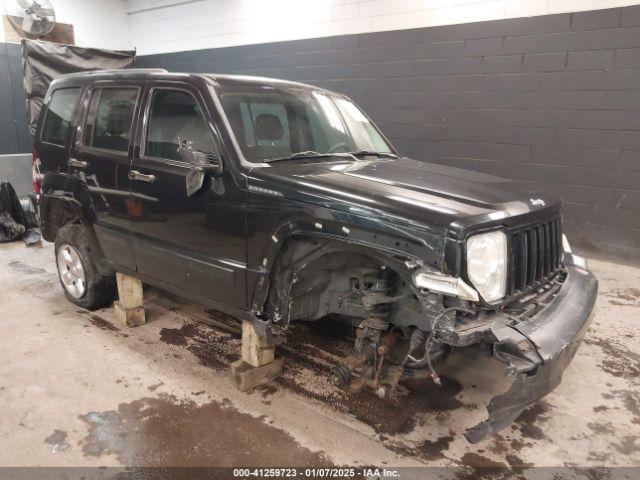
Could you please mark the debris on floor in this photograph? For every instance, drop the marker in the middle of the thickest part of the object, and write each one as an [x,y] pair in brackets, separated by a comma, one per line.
[18,220]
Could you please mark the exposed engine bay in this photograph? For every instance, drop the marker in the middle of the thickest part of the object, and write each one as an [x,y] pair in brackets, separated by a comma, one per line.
[405,333]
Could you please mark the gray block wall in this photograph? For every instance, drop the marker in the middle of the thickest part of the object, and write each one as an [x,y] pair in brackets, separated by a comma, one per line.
[554,100]
[14,134]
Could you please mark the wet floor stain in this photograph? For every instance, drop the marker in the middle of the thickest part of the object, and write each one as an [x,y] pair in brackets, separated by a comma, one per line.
[419,398]
[599,457]
[312,349]
[22,267]
[631,402]
[213,348]
[58,441]
[628,294]
[601,428]
[627,445]
[516,463]
[102,323]
[472,459]
[627,297]
[518,444]
[178,336]
[155,386]
[310,352]
[528,421]
[619,361]
[167,432]
[478,466]
[435,449]
[267,390]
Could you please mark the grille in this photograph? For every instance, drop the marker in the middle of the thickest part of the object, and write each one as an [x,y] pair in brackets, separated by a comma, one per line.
[536,254]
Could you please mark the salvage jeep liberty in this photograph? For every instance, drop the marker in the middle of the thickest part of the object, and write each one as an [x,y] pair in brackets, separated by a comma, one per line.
[276,202]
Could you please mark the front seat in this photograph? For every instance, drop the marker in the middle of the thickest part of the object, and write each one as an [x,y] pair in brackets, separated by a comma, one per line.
[270,136]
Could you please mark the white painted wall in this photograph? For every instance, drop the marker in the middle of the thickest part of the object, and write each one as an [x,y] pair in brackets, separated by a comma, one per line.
[159,26]
[97,23]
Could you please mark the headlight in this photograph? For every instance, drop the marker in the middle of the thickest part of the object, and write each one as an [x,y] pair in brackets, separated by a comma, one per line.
[487,264]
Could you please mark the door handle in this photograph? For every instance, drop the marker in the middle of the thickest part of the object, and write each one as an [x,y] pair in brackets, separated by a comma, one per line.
[77,163]
[135,175]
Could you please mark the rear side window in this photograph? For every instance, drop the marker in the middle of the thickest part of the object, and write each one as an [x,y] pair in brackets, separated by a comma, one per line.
[108,123]
[58,116]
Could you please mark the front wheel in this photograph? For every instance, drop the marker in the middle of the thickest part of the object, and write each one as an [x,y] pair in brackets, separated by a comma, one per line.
[81,280]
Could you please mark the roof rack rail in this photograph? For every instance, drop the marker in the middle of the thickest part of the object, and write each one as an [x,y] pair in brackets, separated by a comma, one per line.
[121,71]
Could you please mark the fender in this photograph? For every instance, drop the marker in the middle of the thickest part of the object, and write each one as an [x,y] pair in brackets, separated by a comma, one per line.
[64,199]
[393,244]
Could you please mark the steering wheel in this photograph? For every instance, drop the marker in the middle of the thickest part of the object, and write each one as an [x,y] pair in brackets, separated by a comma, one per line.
[337,146]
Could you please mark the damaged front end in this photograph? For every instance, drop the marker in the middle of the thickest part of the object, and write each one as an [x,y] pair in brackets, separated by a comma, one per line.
[534,338]
[537,348]
[409,327]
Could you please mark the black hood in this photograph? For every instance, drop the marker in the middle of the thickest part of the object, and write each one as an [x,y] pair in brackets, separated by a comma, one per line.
[423,192]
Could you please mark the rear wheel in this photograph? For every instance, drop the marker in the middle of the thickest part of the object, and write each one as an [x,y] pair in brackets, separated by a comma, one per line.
[81,280]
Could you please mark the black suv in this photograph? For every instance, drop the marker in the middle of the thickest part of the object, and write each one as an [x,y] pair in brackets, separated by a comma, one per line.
[275,202]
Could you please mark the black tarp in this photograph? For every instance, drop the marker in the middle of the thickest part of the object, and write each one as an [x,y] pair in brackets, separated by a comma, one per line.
[13,221]
[43,62]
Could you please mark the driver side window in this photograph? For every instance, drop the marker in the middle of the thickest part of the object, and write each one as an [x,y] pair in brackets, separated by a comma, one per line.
[176,116]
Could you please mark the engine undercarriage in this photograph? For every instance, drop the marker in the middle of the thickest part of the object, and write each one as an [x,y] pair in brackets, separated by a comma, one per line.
[405,333]
[397,331]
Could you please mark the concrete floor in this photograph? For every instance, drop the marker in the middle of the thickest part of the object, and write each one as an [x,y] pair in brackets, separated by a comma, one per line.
[77,389]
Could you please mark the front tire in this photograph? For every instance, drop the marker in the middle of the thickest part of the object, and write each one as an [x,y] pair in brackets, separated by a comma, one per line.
[81,280]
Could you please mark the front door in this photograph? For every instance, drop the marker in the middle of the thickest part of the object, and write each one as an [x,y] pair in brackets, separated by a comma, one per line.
[189,238]
[101,156]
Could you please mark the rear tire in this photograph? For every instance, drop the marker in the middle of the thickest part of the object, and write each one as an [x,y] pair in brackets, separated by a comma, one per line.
[81,280]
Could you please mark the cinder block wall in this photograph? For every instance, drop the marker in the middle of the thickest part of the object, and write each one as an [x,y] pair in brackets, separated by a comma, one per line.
[554,100]
[14,133]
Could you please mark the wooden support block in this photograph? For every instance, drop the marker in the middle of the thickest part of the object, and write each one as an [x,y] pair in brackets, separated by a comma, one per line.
[255,350]
[131,317]
[247,377]
[129,291]
[128,307]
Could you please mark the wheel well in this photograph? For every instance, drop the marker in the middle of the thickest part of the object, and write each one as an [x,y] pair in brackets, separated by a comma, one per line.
[313,278]
[61,213]
[57,213]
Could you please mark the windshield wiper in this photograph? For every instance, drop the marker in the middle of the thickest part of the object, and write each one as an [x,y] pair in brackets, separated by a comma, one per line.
[373,153]
[346,155]
[308,154]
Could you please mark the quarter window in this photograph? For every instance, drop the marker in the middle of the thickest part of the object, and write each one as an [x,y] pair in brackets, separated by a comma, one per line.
[109,118]
[175,116]
[58,116]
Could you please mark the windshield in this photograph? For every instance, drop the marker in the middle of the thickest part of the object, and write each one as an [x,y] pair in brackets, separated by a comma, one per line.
[271,122]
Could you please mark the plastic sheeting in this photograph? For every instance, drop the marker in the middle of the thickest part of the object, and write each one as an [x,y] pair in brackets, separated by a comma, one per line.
[43,62]
[13,221]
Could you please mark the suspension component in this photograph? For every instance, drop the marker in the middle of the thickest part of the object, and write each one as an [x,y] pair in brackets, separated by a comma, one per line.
[341,375]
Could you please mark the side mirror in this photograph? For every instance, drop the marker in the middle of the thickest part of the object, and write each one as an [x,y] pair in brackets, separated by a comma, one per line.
[213,165]
[205,162]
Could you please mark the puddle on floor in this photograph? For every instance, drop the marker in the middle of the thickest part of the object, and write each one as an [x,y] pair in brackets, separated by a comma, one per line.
[58,441]
[167,432]
[22,267]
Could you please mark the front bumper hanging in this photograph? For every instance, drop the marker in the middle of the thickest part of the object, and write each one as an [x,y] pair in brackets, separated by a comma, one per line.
[555,333]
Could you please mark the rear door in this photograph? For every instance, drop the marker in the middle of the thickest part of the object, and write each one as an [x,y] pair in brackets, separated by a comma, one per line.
[53,135]
[191,240]
[101,157]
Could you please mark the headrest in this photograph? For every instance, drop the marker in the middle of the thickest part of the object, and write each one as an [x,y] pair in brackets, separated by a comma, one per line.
[268,127]
[119,118]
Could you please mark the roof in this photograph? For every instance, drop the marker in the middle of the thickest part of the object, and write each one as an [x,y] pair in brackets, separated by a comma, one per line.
[230,79]
[138,73]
